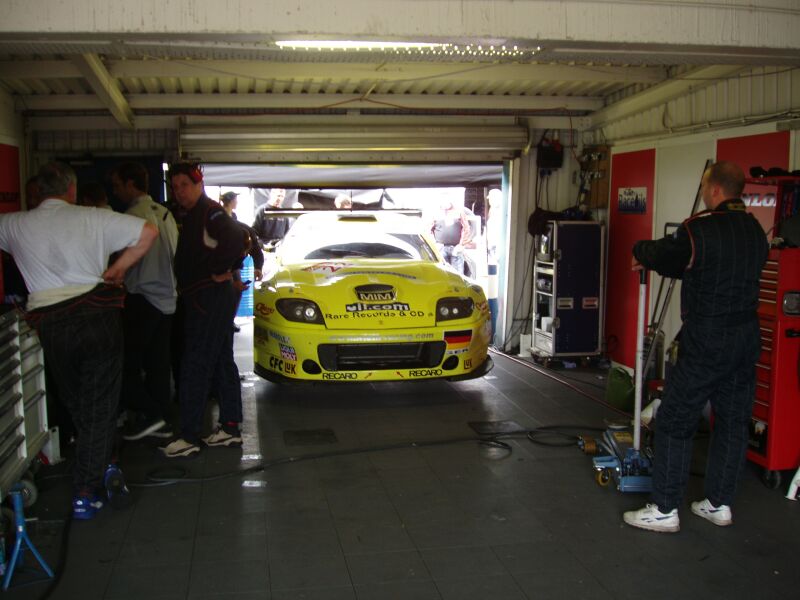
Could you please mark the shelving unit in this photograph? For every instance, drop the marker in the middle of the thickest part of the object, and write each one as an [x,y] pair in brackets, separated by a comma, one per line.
[569,290]
[23,412]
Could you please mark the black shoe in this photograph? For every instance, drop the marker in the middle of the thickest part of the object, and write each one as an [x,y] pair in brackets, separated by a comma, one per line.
[147,427]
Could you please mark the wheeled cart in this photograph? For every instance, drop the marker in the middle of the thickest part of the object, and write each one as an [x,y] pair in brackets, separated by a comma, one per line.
[568,290]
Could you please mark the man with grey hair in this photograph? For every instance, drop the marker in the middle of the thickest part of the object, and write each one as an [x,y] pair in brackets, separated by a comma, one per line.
[74,304]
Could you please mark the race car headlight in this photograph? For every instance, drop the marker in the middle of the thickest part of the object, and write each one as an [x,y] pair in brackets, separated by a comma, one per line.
[791,303]
[448,309]
[299,310]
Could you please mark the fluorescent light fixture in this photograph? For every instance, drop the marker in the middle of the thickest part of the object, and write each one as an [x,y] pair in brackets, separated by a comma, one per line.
[354,45]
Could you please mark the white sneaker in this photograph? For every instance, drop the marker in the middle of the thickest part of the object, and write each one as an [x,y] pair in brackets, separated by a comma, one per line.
[720,515]
[220,437]
[179,448]
[652,519]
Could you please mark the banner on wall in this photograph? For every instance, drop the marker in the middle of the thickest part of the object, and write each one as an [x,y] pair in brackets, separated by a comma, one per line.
[632,200]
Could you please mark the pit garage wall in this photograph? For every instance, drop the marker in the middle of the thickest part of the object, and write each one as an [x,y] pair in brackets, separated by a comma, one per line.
[10,136]
[678,166]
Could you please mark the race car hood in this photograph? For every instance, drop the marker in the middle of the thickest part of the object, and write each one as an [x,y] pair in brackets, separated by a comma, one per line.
[373,292]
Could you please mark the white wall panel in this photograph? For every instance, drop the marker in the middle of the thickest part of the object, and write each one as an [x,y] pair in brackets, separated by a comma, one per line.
[678,172]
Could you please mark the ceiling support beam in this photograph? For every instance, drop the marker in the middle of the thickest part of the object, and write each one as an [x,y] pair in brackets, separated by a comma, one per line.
[105,87]
[488,103]
[663,93]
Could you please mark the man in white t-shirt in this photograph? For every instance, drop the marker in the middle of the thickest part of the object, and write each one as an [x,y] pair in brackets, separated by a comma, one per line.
[62,251]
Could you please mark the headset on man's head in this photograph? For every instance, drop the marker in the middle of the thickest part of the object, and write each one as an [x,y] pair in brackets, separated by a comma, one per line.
[192,170]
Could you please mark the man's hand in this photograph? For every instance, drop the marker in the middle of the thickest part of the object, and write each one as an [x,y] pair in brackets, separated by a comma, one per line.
[114,275]
[636,265]
[226,276]
[257,274]
[240,286]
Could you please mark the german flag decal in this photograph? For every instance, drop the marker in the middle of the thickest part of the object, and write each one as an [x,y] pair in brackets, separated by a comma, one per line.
[457,339]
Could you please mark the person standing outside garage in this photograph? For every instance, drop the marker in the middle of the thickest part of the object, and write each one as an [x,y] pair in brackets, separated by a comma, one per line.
[719,254]
[149,306]
[209,246]
[62,251]
[229,200]
[271,229]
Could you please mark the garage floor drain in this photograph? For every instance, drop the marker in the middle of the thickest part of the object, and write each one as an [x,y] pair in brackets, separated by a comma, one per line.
[494,427]
[309,437]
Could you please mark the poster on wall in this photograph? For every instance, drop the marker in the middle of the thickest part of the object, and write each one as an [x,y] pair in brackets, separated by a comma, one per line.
[632,200]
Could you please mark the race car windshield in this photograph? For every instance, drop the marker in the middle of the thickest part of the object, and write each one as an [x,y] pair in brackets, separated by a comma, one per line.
[395,246]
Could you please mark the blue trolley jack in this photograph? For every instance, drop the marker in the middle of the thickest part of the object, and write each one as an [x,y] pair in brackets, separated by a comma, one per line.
[623,461]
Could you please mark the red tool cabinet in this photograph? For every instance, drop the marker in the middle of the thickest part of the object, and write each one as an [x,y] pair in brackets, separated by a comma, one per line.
[775,426]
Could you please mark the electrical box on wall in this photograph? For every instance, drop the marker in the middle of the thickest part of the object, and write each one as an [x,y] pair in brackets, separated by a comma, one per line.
[549,154]
[594,176]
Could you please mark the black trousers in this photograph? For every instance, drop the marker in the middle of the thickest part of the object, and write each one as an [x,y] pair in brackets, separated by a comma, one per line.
[207,364]
[146,366]
[717,365]
[83,347]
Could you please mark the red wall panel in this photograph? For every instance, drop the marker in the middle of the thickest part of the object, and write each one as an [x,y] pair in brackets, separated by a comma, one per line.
[628,170]
[9,187]
[766,150]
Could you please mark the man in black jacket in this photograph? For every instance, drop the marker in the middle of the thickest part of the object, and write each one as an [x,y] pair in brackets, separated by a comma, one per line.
[719,254]
[210,245]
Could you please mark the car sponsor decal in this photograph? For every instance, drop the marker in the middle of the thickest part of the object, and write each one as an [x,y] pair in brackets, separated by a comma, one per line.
[327,266]
[363,307]
[424,372]
[377,337]
[288,353]
[376,292]
[282,366]
[457,340]
[264,310]
[392,273]
[340,376]
[281,339]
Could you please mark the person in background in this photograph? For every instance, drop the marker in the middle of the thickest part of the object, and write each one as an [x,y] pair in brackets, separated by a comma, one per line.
[149,306]
[343,202]
[74,304]
[32,198]
[718,254]
[453,233]
[210,245]
[93,194]
[269,228]
[229,201]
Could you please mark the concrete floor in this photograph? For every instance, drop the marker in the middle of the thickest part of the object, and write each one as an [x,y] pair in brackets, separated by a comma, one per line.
[412,520]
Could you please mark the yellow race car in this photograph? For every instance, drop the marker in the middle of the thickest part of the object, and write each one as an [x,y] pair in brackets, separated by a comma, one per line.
[366,296]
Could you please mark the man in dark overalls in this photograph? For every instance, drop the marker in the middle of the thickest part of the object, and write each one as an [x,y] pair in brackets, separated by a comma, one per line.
[719,254]
[209,245]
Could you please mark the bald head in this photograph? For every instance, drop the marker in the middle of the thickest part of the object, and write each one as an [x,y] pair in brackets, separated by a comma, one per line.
[722,181]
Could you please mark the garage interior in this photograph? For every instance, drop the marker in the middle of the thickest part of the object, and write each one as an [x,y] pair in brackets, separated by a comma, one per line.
[394,490]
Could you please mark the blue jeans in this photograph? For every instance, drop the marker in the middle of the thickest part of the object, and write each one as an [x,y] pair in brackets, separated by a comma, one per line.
[456,259]
[207,365]
[715,364]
